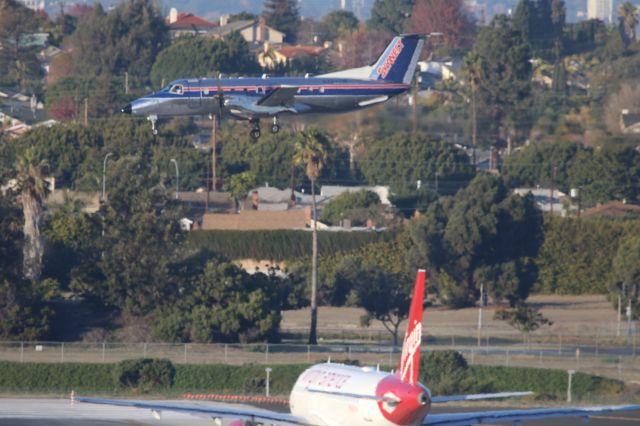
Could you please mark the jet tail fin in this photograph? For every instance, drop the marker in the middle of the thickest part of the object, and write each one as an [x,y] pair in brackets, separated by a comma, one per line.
[398,61]
[409,363]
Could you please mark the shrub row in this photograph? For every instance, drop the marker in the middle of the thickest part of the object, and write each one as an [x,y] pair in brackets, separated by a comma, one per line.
[250,379]
[280,245]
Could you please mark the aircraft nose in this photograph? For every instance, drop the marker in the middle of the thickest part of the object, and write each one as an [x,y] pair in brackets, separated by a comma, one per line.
[126,109]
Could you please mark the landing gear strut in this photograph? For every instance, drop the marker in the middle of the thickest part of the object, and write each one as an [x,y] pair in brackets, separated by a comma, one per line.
[153,119]
[275,128]
[255,130]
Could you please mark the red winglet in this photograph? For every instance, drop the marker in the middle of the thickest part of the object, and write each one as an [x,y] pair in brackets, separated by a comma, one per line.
[410,359]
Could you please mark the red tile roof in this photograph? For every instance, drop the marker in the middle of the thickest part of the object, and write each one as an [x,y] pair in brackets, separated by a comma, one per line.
[187,19]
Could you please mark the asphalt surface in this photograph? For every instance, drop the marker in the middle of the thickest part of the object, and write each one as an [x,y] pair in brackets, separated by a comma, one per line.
[59,412]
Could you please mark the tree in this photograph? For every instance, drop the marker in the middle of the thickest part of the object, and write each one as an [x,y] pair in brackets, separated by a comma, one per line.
[361,47]
[339,22]
[449,17]
[33,191]
[311,151]
[203,57]
[626,272]
[390,15]
[386,297]
[127,39]
[523,318]
[283,16]
[240,184]
[505,75]
[628,17]
[340,205]
[18,61]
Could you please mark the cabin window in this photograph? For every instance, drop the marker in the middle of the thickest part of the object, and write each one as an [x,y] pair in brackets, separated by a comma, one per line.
[177,89]
[322,90]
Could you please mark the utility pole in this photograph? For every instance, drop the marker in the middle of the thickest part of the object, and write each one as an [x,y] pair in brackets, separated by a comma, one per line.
[414,110]
[126,82]
[86,111]
[214,131]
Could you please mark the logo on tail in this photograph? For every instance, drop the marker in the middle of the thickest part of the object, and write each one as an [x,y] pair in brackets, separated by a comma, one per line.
[410,359]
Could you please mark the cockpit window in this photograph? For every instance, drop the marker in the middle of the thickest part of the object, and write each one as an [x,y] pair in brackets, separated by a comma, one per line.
[166,88]
[177,89]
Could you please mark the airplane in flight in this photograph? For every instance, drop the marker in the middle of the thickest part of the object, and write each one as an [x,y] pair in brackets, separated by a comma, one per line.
[332,394]
[253,99]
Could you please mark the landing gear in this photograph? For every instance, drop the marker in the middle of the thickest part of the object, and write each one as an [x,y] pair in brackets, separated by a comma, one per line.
[275,128]
[153,119]
[255,130]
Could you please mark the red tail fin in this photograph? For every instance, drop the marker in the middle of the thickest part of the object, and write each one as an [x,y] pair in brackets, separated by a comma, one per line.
[410,359]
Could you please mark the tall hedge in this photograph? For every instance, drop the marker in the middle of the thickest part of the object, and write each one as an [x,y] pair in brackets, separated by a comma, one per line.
[53,377]
[280,245]
[576,255]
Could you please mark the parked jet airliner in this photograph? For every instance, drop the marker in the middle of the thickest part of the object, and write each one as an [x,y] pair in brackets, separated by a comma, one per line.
[342,395]
[269,97]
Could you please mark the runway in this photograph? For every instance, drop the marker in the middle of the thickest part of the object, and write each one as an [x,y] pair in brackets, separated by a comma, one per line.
[59,412]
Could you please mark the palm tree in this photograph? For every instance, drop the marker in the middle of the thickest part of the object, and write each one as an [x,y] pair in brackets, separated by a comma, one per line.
[628,16]
[33,190]
[311,151]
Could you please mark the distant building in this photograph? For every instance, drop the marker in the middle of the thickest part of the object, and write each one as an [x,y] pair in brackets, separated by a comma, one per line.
[253,31]
[34,4]
[187,24]
[600,9]
[629,121]
[548,200]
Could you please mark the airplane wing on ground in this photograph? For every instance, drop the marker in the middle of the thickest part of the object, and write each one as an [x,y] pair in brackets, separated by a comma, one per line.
[282,96]
[202,410]
[478,396]
[501,416]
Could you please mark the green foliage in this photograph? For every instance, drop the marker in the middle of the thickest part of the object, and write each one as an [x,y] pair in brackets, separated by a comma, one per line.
[279,245]
[410,201]
[401,160]
[127,39]
[483,233]
[523,318]
[611,173]
[446,373]
[390,15]
[144,375]
[224,304]
[56,377]
[440,368]
[544,382]
[626,272]
[338,207]
[576,256]
[283,16]
[240,184]
[339,22]
[194,57]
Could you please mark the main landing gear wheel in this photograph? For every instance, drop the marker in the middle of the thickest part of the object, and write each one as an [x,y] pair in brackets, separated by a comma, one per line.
[255,134]
[255,130]
[275,128]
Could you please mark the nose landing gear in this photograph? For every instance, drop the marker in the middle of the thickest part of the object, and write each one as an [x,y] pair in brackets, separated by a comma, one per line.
[153,119]
[275,128]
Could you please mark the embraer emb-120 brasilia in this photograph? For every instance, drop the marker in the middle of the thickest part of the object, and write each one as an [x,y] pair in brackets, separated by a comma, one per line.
[269,97]
[343,395]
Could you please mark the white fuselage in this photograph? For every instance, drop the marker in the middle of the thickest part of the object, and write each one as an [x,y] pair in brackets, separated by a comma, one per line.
[331,394]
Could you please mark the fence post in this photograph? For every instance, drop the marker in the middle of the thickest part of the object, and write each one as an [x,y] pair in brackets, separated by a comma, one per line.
[472,356]
[21,351]
[62,352]
[266,353]
[144,350]
[185,353]
[349,352]
[308,353]
[560,346]
[225,353]
[507,357]
[103,350]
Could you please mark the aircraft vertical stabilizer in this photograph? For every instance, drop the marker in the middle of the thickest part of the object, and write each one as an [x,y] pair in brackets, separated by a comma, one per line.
[398,62]
[410,359]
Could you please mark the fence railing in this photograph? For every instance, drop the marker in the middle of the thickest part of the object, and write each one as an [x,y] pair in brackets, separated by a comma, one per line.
[616,361]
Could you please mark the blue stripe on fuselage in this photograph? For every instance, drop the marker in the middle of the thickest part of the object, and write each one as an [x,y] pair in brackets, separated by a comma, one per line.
[259,87]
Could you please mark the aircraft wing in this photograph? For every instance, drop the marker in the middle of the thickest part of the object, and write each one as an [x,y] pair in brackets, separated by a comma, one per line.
[203,410]
[501,416]
[478,396]
[282,96]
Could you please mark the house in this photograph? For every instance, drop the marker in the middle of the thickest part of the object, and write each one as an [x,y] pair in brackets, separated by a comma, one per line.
[432,72]
[612,209]
[629,122]
[331,191]
[270,57]
[253,31]
[251,220]
[549,200]
[187,24]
